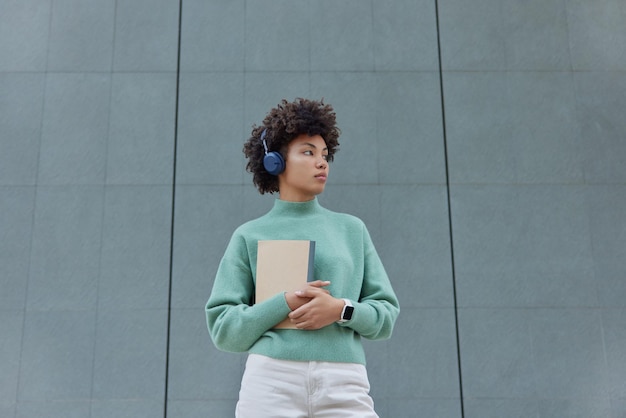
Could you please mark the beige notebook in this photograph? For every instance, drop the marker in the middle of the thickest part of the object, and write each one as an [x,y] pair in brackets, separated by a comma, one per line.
[283,266]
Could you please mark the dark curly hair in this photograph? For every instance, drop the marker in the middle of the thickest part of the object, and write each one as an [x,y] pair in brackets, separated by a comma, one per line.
[284,123]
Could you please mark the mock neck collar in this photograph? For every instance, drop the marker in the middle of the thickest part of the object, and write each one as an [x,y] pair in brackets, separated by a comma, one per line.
[284,207]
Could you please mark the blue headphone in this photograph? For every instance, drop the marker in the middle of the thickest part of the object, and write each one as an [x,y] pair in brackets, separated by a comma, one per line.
[273,162]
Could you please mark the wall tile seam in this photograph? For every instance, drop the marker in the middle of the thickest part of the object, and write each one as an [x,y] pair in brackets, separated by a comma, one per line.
[309,72]
[593,308]
[52,186]
[87,400]
[211,399]
[522,71]
[540,398]
[14,186]
[546,184]
[100,309]
[404,306]
[243,72]
[104,72]
[419,397]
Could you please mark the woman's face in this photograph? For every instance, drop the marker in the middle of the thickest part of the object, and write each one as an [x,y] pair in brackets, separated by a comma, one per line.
[306,169]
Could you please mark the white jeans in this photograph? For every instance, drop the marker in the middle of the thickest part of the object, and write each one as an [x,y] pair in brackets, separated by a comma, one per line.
[301,389]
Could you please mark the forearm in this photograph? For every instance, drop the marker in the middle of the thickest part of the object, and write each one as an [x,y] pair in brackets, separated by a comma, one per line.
[236,327]
[373,319]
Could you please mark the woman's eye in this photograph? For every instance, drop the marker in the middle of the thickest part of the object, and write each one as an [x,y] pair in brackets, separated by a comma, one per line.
[325,157]
[308,152]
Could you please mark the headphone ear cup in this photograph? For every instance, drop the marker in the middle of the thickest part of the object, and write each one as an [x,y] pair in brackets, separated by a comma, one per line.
[274,163]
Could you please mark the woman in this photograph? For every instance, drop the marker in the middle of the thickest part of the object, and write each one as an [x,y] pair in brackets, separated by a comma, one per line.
[317,369]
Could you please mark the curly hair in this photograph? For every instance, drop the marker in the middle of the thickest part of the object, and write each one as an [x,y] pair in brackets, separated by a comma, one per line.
[284,123]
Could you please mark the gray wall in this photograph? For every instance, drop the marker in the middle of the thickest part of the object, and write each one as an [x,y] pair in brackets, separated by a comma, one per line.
[482,144]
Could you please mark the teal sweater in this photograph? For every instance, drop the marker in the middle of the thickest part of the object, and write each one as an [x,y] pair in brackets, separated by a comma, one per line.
[344,255]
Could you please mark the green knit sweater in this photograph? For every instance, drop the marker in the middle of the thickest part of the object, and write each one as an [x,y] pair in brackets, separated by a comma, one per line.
[344,255]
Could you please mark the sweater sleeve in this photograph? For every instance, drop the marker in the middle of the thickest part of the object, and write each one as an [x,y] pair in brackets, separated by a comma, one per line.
[234,324]
[377,309]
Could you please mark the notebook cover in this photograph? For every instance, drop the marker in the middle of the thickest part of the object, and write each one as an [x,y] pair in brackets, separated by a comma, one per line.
[283,266]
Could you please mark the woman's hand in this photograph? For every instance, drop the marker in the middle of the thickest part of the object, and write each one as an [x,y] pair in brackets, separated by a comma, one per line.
[295,301]
[319,309]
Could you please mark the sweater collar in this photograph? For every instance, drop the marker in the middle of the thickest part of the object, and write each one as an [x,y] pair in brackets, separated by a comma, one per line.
[286,208]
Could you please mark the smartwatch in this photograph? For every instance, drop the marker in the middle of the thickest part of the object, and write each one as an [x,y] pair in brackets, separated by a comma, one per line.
[346,313]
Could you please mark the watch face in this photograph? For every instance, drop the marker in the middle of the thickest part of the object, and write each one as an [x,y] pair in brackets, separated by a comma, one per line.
[347,314]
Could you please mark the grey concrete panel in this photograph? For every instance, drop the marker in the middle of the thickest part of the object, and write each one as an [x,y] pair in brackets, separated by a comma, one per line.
[81,35]
[136,231]
[601,99]
[415,244]
[16,223]
[409,128]
[140,148]
[422,358]
[199,408]
[357,161]
[543,408]
[472,35]
[198,371]
[478,128]
[253,203]
[65,248]
[8,409]
[523,246]
[405,36]
[513,128]
[608,240]
[206,217]
[377,356]
[279,35]
[491,35]
[24,30]
[342,36]
[210,138]
[574,408]
[496,355]
[614,328]
[57,356]
[21,97]
[597,35]
[264,90]
[536,35]
[568,353]
[130,355]
[499,407]
[213,36]
[126,408]
[11,328]
[53,409]
[75,129]
[362,201]
[146,35]
[411,408]
[618,407]
[509,354]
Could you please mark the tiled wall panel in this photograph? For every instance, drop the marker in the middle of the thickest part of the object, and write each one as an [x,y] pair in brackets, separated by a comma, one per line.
[493,185]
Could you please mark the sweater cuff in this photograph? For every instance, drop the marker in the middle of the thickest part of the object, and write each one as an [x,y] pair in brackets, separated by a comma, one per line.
[273,310]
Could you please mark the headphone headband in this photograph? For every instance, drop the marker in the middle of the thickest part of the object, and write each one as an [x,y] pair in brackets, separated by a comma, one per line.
[273,162]
[263,140]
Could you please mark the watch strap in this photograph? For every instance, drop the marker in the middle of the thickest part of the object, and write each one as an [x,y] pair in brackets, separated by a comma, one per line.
[346,312]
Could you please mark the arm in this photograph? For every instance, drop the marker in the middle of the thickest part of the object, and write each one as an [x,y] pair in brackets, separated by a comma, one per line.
[233,324]
[377,309]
